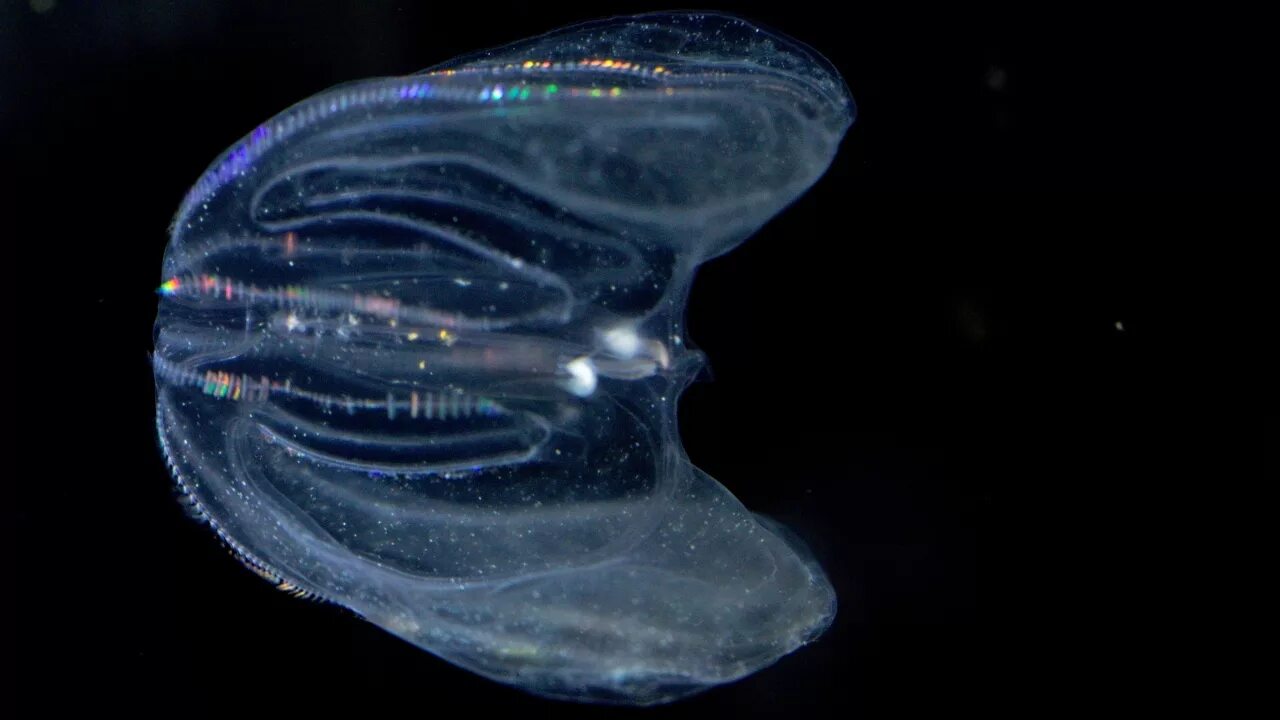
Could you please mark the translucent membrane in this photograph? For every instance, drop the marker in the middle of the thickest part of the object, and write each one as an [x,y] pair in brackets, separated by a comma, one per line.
[419,348]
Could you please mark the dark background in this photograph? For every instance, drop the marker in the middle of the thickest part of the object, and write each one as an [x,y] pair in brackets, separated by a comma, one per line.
[956,367]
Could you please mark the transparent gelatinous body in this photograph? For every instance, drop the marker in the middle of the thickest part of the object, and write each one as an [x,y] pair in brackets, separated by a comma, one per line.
[419,348]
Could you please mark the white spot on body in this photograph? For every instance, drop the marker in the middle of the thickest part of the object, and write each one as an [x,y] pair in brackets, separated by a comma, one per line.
[582,376]
[622,341]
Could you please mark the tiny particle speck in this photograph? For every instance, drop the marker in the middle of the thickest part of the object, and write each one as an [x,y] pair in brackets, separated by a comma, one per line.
[1119,326]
